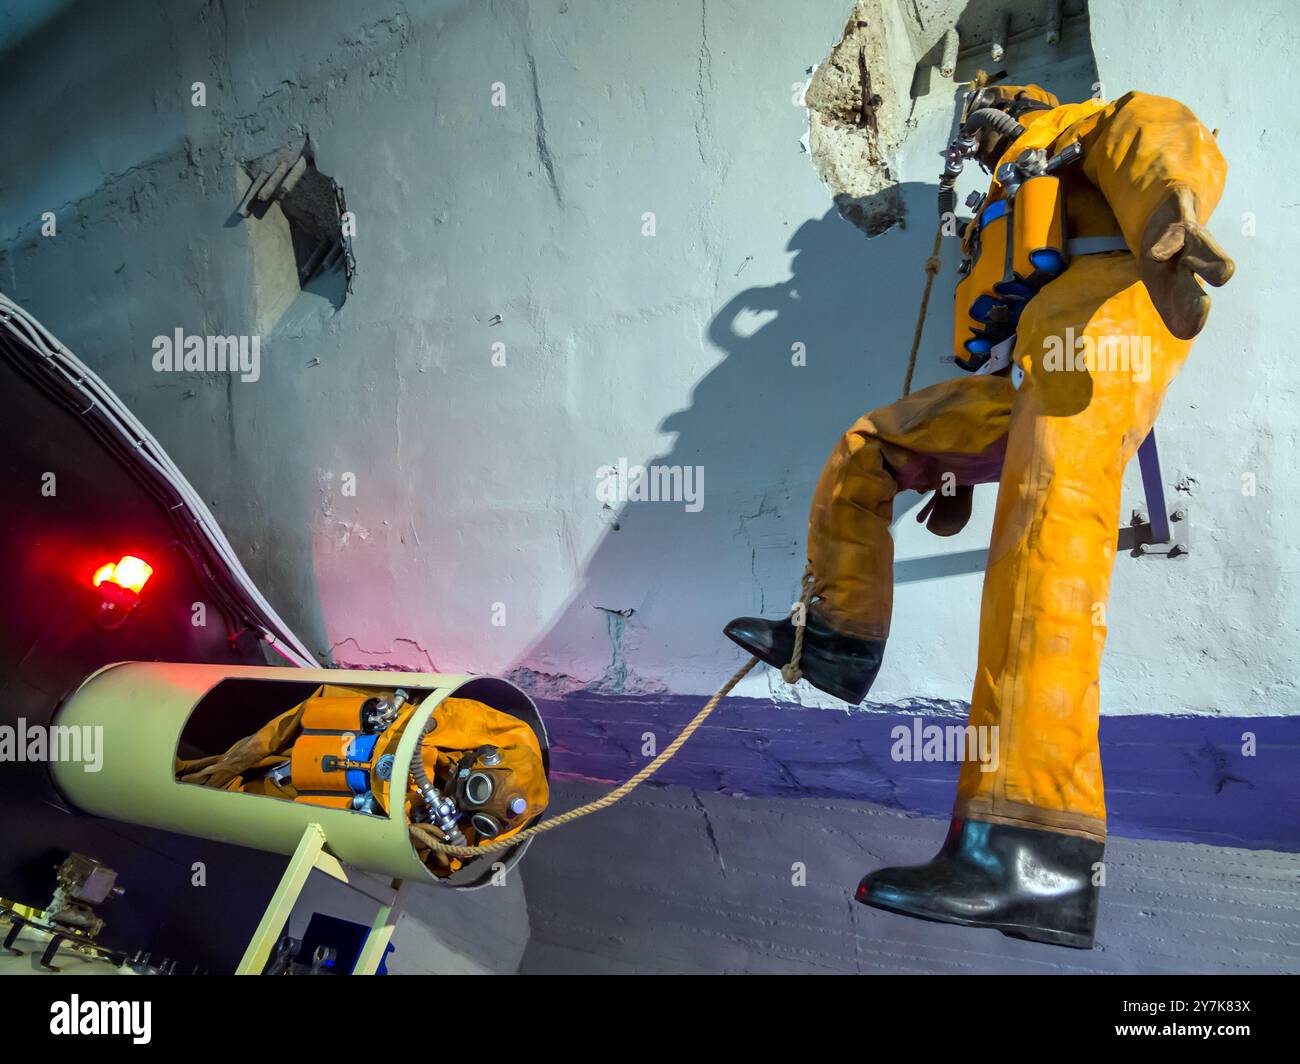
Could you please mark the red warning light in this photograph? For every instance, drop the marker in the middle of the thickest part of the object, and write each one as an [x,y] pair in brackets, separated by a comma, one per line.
[131,572]
[119,585]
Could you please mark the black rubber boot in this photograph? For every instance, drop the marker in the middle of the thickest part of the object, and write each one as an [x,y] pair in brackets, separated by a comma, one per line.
[1024,882]
[841,665]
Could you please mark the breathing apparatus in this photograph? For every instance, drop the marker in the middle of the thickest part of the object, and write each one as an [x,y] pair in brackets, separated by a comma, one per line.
[987,112]
[1016,243]
[483,789]
[476,773]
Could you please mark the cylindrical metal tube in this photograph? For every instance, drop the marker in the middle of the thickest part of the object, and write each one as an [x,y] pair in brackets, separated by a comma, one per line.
[273,182]
[143,708]
[1053,22]
[292,178]
[948,60]
[1000,37]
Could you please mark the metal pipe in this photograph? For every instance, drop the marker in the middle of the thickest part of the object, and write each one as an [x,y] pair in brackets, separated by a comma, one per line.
[292,178]
[246,204]
[1000,37]
[1053,22]
[273,182]
[948,64]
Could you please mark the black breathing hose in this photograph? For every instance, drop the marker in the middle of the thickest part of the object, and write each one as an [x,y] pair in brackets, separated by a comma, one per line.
[947,200]
[991,118]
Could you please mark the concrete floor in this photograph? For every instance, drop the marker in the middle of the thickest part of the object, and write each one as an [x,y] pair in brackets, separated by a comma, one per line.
[674,880]
[440,931]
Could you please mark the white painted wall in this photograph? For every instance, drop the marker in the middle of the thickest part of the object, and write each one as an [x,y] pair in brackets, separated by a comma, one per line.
[477,483]
[1222,633]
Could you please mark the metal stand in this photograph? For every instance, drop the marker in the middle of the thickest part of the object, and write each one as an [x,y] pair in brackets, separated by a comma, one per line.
[57,938]
[1155,532]
[312,855]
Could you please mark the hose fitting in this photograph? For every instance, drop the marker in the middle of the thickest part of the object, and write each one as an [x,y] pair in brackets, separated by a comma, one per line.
[443,813]
[983,119]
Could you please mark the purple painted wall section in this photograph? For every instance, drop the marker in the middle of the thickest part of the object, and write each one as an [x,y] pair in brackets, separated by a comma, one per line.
[1174,778]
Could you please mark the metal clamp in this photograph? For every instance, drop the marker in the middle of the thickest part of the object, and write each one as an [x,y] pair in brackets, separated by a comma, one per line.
[1138,537]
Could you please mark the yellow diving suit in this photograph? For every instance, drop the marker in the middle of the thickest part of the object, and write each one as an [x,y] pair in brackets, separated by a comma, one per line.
[1057,441]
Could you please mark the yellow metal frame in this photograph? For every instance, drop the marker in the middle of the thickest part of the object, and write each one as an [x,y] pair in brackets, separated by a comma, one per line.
[311,855]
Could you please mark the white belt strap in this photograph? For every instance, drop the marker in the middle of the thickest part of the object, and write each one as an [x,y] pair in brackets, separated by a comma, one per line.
[1094,245]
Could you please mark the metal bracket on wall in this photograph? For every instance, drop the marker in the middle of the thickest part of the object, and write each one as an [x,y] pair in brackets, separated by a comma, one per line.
[310,201]
[1155,531]
[1136,537]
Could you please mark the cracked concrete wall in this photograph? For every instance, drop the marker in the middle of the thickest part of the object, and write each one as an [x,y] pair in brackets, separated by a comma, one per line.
[476,539]
[858,101]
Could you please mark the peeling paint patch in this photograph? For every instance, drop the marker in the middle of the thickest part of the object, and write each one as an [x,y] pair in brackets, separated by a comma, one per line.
[545,684]
[619,678]
[623,681]
[930,707]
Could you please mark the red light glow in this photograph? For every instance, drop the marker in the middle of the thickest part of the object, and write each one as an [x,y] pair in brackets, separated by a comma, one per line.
[130,572]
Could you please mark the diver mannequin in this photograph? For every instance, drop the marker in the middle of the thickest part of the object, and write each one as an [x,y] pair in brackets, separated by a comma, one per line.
[1137,181]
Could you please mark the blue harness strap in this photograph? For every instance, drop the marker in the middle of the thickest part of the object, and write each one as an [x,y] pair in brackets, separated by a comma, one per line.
[361,749]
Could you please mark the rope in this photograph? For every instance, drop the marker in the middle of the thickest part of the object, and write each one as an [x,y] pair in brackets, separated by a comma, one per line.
[790,673]
[932,265]
[428,836]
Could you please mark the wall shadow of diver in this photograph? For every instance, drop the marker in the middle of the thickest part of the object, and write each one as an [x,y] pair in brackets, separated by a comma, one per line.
[761,427]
